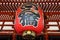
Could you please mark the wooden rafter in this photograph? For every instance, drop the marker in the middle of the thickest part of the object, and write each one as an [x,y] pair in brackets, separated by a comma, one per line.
[46,5]
[29,0]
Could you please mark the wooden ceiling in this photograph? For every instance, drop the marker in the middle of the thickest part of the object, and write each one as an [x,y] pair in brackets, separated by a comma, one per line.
[46,5]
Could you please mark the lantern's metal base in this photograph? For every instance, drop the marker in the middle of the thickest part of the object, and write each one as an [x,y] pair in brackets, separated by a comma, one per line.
[28,35]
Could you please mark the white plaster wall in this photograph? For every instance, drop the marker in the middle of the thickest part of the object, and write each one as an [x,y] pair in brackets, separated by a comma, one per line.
[11,23]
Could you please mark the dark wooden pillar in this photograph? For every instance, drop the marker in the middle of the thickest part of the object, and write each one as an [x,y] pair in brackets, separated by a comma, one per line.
[14,36]
[46,36]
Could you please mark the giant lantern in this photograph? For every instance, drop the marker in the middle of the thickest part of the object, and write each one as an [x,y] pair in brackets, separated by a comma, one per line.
[29,20]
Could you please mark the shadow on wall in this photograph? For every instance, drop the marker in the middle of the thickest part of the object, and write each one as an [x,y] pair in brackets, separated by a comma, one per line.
[5,37]
[41,37]
[54,37]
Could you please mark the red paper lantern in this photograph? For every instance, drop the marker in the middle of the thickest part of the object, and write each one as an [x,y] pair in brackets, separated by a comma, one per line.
[29,17]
